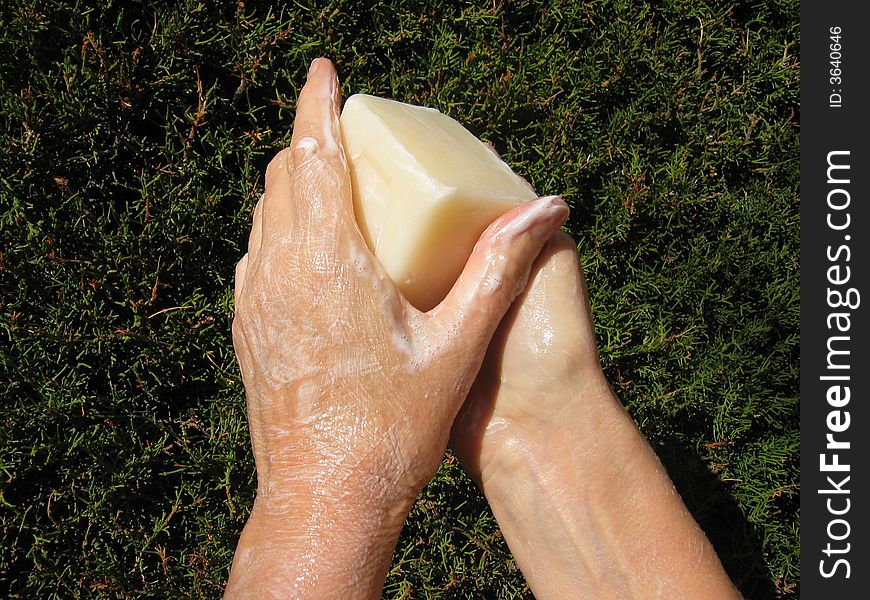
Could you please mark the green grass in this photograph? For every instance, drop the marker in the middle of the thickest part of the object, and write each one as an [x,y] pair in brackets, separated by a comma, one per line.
[133,141]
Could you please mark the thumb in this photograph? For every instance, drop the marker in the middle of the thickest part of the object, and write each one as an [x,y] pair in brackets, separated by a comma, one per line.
[498,270]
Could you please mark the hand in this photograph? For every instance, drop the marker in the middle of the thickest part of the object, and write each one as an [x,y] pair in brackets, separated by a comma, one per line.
[581,498]
[351,391]
[542,361]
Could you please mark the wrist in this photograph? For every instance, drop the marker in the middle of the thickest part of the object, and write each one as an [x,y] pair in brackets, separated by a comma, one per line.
[347,494]
[338,493]
[334,459]
[326,517]
[568,416]
[551,490]
[317,542]
[590,499]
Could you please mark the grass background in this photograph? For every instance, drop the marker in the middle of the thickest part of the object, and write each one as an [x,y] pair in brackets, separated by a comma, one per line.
[133,141]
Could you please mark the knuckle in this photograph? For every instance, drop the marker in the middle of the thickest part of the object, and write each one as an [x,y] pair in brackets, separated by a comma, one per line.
[277,165]
[305,149]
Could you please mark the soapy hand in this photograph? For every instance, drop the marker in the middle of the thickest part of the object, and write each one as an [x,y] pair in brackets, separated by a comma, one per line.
[544,346]
[351,391]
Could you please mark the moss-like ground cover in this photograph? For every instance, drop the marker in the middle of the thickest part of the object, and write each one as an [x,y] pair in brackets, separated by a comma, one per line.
[133,140]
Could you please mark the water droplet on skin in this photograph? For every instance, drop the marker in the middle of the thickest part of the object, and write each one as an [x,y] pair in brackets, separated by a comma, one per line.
[495,424]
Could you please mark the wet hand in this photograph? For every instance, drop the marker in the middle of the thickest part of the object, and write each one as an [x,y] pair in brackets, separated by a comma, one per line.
[351,391]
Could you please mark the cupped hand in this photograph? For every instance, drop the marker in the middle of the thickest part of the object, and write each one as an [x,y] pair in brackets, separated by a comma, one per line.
[542,362]
[351,391]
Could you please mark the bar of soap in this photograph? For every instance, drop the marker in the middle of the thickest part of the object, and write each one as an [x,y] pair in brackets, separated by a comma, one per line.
[424,189]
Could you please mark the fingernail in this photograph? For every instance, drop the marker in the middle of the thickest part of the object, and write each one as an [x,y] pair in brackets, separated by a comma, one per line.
[314,65]
[539,218]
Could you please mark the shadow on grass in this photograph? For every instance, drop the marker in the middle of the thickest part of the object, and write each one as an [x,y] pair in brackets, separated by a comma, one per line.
[735,539]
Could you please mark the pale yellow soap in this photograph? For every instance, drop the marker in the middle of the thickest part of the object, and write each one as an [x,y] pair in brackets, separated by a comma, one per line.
[424,189]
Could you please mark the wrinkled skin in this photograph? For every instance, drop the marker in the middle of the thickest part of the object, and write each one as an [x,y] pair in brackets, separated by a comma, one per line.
[351,391]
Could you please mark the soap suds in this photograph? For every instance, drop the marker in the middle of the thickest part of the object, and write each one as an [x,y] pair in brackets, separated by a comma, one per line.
[401,342]
[492,279]
[359,258]
[307,396]
[308,146]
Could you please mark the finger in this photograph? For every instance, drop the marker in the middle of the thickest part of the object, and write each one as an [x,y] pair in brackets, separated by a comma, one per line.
[255,239]
[310,178]
[274,206]
[241,273]
[562,277]
[498,270]
[316,129]
[320,170]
